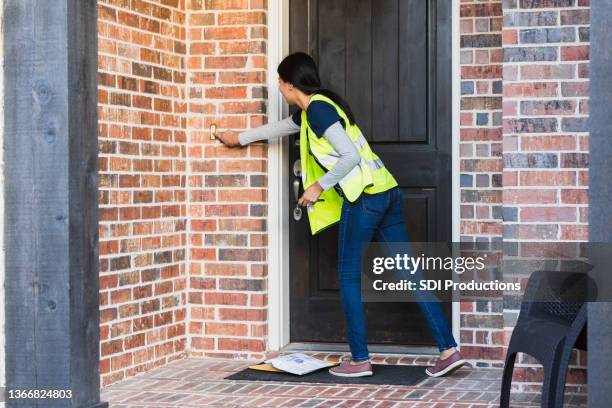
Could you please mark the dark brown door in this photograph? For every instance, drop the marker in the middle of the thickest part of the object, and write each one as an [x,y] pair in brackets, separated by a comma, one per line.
[391,59]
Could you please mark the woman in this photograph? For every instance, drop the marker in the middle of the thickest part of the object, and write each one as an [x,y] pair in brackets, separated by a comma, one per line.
[344,181]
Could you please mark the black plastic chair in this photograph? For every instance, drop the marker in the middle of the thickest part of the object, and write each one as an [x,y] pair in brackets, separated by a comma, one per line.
[551,322]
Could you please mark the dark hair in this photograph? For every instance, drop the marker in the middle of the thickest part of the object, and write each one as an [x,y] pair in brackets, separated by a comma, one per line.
[300,70]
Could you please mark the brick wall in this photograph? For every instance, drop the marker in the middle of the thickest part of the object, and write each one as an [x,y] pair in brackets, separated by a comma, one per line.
[523,148]
[481,165]
[227,67]
[545,109]
[142,196]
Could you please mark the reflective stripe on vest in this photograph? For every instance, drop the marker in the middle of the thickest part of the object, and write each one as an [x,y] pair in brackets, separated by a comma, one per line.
[330,160]
[376,164]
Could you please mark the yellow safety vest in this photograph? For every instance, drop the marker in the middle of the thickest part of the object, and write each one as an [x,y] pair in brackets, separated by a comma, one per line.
[317,156]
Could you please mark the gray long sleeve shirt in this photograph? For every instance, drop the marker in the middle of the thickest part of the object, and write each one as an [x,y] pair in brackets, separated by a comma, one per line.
[335,134]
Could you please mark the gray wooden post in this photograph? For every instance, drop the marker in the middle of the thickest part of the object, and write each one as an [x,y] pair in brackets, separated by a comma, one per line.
[599,365]
[51,225]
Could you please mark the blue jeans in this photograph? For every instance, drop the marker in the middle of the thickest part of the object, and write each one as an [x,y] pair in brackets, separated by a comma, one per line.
[378,216]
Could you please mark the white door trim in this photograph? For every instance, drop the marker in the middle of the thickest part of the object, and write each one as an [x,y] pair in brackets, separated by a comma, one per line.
[278,177]
[456,111]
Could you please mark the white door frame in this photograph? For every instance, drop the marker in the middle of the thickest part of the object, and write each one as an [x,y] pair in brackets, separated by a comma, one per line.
[278,176]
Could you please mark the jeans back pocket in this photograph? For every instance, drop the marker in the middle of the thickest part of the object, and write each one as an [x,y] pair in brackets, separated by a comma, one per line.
[375,204]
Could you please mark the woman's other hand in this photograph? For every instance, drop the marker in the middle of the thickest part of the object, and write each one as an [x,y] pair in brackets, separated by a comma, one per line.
[311,194]
[229,138]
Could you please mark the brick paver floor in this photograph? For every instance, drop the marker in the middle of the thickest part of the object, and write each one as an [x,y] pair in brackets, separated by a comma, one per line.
[195,382]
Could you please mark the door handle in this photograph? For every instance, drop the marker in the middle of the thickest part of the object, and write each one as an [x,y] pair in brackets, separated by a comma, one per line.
[213,131]
[297,168]
[297,211]
[296,189]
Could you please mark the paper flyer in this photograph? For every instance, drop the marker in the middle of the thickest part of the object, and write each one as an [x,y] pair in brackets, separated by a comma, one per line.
[297,363]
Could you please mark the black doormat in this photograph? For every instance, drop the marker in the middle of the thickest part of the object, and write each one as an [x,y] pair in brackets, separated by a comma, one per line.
[383,374]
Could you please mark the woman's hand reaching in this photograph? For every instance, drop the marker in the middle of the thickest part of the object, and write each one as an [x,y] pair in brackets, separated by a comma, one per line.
[228,138]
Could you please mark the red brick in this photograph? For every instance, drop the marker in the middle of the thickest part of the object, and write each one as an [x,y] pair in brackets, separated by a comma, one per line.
[241,225]
[481,134]
[484,228]
[243,165]
[575,88]
[203,253]
[259,300]
[203,225]
[530,89]
[548,143]
[575,53]
[481,165]
[528,374]
[237,92]
[255,255]
[482,352]
[466,306]
[466,118]
[226,4]
[226,269]
[242,47]
[509,36]
[196,19]
[243,107]
[247,195]
[106,13]
[242,18]
[551,71]
[236,77]
[259,61]
[259,4]
[225,329]
[203,48]
[224,298]
[509,178]
[203,343]
[136,340]
[225,210]
[481,72]
[127,19]
[225,62]
[241,344]
[481,10]
[583,178]
[530,196]
[575,232]
[510,108]
[547,178]
[537,232]
[225,33]
[258,32]
[574,196]
[550,214]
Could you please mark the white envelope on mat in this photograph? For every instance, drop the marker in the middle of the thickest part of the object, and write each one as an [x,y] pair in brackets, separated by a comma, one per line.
[298,363]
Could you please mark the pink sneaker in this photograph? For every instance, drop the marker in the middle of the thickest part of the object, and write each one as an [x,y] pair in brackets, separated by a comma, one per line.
[346,369]
[446,366]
